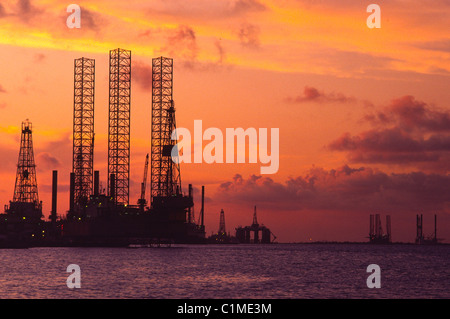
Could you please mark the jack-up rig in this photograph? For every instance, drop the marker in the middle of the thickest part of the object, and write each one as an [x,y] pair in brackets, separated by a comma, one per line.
[420,238]
[376,234]
[96,217]
[109,219]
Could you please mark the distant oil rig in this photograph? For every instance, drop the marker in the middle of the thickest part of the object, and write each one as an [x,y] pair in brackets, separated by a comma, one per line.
[244,234]
[420,238]
[222,237]
[377,236]
[106,218]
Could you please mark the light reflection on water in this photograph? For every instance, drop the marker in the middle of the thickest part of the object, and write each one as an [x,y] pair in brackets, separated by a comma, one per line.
[228,271]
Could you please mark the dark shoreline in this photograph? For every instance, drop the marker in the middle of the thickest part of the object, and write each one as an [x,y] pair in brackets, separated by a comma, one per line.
[176,245]
[359,243]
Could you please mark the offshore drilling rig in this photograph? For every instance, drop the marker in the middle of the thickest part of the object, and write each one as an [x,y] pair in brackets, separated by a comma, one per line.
[22,224]
[425,240]
[105,217]
[244,234]
[376,234]
[222,237]
[96,218]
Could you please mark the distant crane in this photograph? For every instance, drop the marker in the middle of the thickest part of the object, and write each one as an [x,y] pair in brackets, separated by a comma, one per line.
[141,201]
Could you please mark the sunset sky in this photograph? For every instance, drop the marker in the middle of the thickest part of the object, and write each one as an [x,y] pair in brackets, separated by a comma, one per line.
[363,114]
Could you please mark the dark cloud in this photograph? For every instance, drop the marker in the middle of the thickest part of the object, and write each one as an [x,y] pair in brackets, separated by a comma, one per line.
[406,131]
[45,158]
[2,89]
[391,146]
[62,144]
[53,154]
[45,161]
[249,35]
[182,43]
[26,10]
[390,140]
[142,74]
[91,20]
[311,94]
[411,114]
[24,7]
[344,189]
[2,11]
[441,45]
[244,6]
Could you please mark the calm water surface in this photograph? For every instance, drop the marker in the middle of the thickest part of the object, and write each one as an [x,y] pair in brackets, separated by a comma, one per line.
[229,271]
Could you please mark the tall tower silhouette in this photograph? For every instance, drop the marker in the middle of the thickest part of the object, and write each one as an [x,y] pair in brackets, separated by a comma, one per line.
[22,222]
[26,190]
[165,174]
[83,129]
[222,230]
[119,125]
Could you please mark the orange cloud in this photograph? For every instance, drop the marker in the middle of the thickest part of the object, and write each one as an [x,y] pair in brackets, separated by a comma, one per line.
[294,36]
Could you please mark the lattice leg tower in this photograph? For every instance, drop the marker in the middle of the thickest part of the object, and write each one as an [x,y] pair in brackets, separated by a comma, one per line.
[165,174]
[83,129]
[119,124]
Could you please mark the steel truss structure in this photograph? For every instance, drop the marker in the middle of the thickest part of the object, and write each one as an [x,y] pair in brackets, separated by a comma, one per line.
[119,124]
[165,174]
[26,190]
[83,129]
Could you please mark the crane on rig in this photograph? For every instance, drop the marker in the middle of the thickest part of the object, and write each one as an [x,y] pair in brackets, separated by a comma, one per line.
[141,201]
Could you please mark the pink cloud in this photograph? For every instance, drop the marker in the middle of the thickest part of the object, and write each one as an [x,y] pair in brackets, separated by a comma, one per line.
[361,190]
[407,131]
[142,74]
[312,94]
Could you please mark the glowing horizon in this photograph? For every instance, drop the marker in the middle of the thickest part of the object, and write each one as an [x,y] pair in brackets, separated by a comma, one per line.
[362,112]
